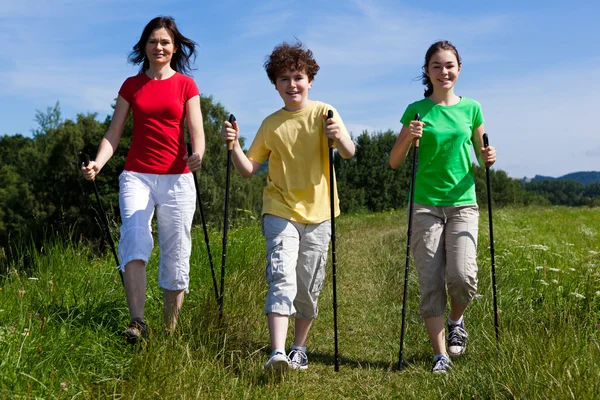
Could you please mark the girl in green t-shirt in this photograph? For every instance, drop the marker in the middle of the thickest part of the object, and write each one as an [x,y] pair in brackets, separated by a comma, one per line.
[445,220]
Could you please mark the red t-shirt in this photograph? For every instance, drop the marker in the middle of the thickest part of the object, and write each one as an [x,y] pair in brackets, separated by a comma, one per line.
[158,106]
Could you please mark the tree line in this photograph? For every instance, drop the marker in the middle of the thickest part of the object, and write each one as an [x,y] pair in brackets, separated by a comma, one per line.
[43,194]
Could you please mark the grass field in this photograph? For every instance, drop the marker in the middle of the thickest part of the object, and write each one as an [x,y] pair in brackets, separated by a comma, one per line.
[59,321]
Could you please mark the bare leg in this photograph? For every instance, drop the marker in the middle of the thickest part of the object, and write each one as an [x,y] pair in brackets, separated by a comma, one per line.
[135,288]
[302,327]
[173,301]
[435,330]
[278,326]
[456,310]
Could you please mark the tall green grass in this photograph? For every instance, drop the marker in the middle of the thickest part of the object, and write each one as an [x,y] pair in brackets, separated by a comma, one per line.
[60,320]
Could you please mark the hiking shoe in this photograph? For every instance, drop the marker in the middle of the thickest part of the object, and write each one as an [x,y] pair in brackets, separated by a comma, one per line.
[441,365]
[278,362]
[298,360]
[457,339]
[136,332]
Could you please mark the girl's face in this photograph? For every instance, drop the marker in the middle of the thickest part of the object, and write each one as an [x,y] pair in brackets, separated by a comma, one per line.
[160,47]
[443,70]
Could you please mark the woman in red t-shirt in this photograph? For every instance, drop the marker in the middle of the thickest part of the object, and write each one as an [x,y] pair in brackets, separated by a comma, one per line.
[157,172]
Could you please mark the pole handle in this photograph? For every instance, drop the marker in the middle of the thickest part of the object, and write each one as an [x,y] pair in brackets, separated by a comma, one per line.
[86,160]
[329,116]
[486,140]
[417,118]
[230,142]
[189,149]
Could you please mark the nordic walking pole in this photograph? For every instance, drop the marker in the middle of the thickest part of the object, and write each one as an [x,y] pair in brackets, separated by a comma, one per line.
[333,260]
[210,261]
[486,143]
[410,218]
[86,161]
[225,220]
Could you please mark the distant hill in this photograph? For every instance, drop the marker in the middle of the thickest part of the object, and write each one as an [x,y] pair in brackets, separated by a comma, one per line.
[584,177]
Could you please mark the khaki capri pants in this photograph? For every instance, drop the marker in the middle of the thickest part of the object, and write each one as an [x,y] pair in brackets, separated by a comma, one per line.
[445,254]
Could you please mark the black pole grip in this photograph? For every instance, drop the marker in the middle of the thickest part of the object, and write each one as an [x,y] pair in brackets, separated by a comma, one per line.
[86,159]
[329,114]
[417,117]
[189,149]
[486,141]
[231,118]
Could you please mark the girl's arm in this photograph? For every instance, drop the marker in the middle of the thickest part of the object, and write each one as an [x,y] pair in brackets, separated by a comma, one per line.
[486,155]
[407,135]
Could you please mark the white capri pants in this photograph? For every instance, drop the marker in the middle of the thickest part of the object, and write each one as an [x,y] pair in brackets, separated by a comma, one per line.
[174,197]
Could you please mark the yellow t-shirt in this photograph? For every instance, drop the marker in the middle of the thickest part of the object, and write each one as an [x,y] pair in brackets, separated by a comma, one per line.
[298,181]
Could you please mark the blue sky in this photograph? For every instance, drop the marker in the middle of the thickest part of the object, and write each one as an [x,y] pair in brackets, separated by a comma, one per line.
[533,65]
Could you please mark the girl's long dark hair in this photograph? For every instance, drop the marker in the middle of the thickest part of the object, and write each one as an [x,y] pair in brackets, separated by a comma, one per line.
[434,48]
[180,61]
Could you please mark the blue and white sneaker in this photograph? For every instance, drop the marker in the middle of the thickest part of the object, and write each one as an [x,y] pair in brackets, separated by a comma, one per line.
[298,360]
[278,363]
[441,365]
[457,339]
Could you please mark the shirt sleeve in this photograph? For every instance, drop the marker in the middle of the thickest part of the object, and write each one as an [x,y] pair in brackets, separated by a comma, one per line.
[258,151]
[125,91]
[407,116]
[477,116]
[191,89]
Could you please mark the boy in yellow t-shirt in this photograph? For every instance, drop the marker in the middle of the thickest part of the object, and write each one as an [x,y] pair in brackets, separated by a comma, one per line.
[296,218]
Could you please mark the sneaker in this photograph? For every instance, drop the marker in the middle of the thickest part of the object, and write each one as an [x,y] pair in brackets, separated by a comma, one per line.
[457,339]
[136,332]
[298,360]
[278,362]
[441,365]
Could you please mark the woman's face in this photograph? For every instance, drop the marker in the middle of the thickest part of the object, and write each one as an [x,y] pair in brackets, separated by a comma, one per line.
[160,47]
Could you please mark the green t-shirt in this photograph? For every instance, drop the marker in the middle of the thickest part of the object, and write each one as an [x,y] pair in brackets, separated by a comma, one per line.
[445,172]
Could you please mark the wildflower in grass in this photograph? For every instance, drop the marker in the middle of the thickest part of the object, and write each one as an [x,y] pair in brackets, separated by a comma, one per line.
[115,281]
[40,351]
[554,269]
[543,282]
[12,329]
[88,281]
[593,252]
[598,293]
[25,332]
[578,295]
[63,386]
[572,269]
[554,281]
[37,315]
[539,267]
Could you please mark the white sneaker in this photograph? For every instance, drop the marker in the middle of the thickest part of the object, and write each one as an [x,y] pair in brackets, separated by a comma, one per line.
[278,362]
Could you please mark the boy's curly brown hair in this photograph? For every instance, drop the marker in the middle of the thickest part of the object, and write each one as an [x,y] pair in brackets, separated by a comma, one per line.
[291,57]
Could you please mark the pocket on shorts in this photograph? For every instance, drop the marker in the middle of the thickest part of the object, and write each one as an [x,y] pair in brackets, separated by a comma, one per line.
[319,276]
[275,263]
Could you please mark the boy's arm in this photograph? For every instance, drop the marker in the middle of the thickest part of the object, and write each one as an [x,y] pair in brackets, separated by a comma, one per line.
[343,142]
[345,147]
[245,166]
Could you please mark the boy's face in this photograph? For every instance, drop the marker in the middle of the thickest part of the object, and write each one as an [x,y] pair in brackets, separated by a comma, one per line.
[293,88]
